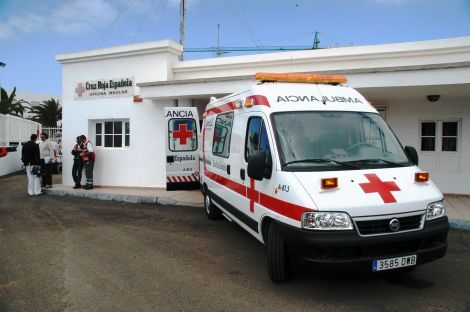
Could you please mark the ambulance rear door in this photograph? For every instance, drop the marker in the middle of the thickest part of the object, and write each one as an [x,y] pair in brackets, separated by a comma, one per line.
[182,147]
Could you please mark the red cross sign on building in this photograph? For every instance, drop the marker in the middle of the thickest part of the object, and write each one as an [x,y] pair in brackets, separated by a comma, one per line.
[80,89]
[384,188]
[182,134]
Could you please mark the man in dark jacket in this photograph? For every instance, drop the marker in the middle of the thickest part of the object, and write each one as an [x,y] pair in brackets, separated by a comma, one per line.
[77,167]
[32,162]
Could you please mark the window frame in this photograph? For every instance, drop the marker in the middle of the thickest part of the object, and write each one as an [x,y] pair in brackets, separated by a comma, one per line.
[103,134]
[435,136]
[229,136]
[246,134]
[439,135]
[195,135]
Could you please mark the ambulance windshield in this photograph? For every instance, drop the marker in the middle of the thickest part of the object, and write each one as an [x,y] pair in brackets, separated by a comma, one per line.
[321,141]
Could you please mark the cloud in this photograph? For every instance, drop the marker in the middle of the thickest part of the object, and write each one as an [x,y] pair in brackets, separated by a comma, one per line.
[82,15]
[71,17]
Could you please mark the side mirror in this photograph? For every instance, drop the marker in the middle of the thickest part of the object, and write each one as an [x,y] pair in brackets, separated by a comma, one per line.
[256,165]
[412,154]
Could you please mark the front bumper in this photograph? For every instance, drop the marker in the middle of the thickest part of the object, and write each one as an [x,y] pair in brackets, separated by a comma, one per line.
[347,247]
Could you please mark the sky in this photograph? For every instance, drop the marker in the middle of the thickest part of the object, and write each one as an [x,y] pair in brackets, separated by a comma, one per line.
[32,32]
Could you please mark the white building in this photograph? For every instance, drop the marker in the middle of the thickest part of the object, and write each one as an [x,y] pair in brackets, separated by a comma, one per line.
[34,99]
[421,88]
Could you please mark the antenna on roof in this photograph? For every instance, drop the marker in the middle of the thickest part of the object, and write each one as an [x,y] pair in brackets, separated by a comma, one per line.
[182,17]
[316,41]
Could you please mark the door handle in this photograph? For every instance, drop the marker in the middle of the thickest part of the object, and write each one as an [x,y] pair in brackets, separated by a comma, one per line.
[242,174]
[228,169]
[170,159]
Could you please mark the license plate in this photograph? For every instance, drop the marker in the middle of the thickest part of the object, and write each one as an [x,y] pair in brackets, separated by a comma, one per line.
[393,263]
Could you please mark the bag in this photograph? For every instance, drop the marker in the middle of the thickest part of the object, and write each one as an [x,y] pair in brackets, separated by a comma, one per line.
[35,170]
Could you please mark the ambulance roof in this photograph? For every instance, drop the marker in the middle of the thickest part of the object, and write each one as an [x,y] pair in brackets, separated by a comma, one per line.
[279,96]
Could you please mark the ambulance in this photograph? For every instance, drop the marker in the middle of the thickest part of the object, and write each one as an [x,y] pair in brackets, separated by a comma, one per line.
[182,147]
[309,168]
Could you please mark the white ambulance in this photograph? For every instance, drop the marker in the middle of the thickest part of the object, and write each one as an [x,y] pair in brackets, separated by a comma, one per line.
[182,147]
[309,168]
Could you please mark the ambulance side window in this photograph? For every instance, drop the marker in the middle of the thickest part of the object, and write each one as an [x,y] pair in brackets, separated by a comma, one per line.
[182,135]
[257,139]
[252,136]
[222,135]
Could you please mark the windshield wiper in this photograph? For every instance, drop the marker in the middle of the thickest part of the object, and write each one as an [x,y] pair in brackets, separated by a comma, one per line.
[373,160]
[320,160]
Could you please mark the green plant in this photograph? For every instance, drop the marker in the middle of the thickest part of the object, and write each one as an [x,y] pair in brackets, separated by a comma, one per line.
[10,106]
[48,113]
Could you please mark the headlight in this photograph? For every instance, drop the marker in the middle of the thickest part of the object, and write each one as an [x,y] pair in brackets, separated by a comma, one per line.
[435,210]
[316,220]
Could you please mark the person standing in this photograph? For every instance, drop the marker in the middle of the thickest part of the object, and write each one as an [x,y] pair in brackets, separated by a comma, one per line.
[88,157]
[46,150]
[32,162]
[77,167]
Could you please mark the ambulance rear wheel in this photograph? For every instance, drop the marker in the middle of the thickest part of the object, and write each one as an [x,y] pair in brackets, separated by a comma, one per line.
[212,211]
[279,268]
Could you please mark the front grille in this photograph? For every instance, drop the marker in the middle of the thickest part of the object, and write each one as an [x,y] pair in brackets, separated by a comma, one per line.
[391,249]
[381,226]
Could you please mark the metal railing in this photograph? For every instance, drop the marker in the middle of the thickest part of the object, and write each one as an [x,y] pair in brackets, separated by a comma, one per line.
[55,134]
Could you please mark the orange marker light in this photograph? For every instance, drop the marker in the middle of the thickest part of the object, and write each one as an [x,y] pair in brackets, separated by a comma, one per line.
[248,102]
[421,176]
[305,78]
[329,183]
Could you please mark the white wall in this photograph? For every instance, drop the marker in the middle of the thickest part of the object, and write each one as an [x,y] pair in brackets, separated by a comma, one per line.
[404,118]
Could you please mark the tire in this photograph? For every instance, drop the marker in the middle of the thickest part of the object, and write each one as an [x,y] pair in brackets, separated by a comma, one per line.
[212,211]
[279,268]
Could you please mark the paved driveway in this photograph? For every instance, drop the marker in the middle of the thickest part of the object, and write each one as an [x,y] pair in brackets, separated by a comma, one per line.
[65,253]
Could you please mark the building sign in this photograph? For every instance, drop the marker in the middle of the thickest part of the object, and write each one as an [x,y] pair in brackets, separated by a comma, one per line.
[104,88]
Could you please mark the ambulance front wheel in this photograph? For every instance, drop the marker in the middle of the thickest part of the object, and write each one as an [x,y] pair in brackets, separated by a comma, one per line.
[279,268]
[212,211]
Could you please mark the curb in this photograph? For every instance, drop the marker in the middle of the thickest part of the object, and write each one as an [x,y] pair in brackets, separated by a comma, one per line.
[133,199]
[167,201]
[459,224]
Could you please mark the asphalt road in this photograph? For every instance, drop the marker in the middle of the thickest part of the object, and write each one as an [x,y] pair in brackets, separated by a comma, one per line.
[63,253]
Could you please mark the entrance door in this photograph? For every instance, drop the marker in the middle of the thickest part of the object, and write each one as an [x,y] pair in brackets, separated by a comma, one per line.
[182,147]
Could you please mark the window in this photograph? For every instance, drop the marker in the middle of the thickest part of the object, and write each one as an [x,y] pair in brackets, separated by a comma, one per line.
[326,140]
[257,139]
[382,109]
[111,133]
[439,136]
[252,136]
[222,135]
[182,134]
[449,136]
[372,134]
[428,136]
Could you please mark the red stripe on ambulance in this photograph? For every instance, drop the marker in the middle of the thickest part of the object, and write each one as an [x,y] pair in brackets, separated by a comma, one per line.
[281,207]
